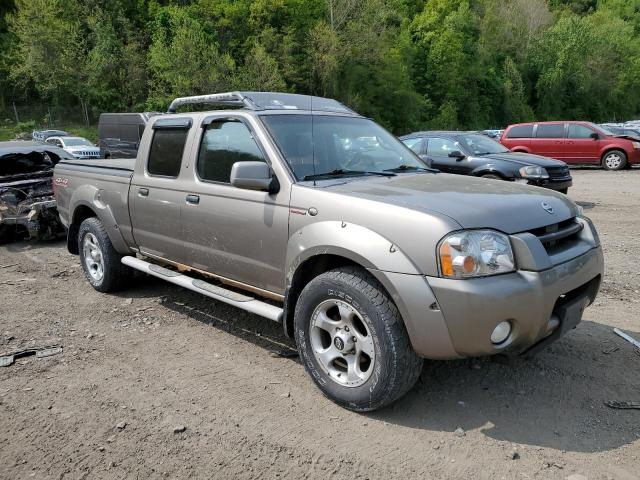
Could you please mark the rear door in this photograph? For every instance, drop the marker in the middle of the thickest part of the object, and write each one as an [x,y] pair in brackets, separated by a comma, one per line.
[548,140]
[235,233]
[581,147]
[438,150]
[157,192]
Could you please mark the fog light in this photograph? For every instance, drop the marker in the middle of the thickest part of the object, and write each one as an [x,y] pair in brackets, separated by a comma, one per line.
[500,333]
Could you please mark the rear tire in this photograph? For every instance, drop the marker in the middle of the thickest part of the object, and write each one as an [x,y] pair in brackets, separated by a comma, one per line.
[614,160]
[100,262]
[492,176]
[353,342]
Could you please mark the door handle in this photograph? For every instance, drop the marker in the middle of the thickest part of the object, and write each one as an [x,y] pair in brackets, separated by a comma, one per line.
[143,192]
[193,199]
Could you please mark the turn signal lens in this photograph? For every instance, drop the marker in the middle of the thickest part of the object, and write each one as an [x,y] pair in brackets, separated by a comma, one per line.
[446,263]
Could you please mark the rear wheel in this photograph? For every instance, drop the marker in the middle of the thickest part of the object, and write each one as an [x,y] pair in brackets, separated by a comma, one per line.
[492,176]
[614,160]
[353,342]
[100,261]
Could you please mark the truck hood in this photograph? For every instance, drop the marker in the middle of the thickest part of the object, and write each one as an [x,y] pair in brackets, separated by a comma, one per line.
[469,201]
[524,159]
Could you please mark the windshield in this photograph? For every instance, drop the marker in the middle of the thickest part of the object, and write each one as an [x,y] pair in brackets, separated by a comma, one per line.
[480,145]
[77,142]
[329,144]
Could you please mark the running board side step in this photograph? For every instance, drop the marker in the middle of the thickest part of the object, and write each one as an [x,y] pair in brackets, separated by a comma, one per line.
[230,297]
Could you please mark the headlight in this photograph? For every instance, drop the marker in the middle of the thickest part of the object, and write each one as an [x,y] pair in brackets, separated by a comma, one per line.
[534,172]
[475,253]
[636,145]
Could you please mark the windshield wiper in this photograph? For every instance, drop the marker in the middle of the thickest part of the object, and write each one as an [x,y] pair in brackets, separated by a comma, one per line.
[339,172]
[405,167]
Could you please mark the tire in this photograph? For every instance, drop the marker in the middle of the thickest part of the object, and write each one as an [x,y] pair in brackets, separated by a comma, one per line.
[564,190]
[614,160]
[491,176]
[100,261]
[381,366]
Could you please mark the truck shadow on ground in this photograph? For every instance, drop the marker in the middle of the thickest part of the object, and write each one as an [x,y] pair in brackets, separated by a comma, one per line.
[553,400]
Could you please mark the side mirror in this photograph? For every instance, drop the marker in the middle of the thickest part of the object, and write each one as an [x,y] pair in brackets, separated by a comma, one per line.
[254,176]
[457,154]
[595,136]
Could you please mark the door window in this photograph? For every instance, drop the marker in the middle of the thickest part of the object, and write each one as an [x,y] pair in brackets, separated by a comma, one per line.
[413,143]
[554,130]
[520,131]
[579,131]
[441,147]
[165,155]
[224,143]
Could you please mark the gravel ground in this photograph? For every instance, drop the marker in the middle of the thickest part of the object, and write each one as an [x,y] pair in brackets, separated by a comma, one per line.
[158,382]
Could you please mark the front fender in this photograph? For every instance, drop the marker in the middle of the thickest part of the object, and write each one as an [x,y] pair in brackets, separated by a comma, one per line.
[91,197]
[359,244]
[396,272]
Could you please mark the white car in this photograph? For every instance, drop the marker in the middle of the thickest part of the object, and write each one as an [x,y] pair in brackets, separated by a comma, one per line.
[79,147]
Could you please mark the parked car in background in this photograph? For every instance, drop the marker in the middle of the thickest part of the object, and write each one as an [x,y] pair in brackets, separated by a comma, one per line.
[369,259]
[119,134]
[469,153]
[623,130]
[42,135]
[27,206]
[78,147]
[492,133]
[574,143]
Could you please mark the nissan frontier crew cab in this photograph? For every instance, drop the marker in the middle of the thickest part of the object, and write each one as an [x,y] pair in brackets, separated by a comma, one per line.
[300,210]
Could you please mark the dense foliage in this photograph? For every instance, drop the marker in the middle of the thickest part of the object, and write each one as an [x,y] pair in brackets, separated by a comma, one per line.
[408,63]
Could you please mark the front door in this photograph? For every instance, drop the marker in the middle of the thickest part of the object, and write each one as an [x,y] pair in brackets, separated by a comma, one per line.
[156,196]
[438,150]
[235,233]
[581,147]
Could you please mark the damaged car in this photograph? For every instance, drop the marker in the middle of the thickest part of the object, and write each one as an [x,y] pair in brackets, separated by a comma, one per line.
[27,205]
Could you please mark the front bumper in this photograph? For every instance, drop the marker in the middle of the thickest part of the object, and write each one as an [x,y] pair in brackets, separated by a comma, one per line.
[552,184]
[539,305]
[39,219]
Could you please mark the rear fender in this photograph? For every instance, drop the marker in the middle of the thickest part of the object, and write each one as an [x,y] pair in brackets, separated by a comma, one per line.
[90,196]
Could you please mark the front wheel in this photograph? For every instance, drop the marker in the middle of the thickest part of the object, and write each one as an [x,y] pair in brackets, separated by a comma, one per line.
[614,160]
[353,342]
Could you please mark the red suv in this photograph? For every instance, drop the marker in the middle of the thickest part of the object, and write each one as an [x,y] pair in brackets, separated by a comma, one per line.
[573,142]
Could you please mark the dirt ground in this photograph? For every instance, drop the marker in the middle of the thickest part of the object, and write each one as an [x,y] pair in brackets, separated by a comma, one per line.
[138,364]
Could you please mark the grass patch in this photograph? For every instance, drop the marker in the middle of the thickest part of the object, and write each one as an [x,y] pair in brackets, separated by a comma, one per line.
[9,130]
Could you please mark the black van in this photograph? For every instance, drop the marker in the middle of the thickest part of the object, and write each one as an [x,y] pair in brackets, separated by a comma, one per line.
[119,134]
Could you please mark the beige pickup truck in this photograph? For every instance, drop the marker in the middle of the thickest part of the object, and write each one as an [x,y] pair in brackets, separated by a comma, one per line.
[298,209]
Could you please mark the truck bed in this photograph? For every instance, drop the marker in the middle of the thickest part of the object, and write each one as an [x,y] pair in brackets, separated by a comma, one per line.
[107,165]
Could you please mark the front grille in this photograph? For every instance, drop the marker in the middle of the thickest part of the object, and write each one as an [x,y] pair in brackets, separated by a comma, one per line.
[559,173]
[557,236]
[87,154]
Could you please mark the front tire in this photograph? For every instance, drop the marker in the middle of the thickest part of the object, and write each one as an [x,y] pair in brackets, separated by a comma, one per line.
[353,342]
[614,160]
[101,262]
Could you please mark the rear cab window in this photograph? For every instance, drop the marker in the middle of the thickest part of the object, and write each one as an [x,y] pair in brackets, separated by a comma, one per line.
[167,147]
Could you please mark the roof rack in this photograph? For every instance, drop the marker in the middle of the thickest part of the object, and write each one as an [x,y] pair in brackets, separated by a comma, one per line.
[229,99]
